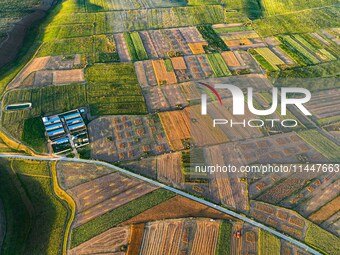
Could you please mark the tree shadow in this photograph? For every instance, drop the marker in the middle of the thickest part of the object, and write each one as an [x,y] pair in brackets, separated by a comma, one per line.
[254,9]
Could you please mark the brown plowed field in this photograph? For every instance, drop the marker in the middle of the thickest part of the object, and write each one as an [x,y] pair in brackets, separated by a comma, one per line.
[109,242]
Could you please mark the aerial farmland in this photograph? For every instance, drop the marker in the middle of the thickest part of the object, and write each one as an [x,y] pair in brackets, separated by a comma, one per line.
[169,127]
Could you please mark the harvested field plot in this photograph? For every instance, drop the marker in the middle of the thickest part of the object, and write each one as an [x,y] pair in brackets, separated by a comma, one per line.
[177,207]
[126,137]
[279,218]
[163,75]
[74,174]
[177,127]
[326,211]
[325,106]
[226,188]
[104,194]
[188,125]
[173,42]
[109,242]
[169,169]
[45,71]
[189,236]
[283,148]
[69,76]
[230,59]
[122,48]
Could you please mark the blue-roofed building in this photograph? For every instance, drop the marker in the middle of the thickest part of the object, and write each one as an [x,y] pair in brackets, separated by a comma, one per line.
[74,121]
[56,132]
[49,121]
[54,126]
[71,115]
[76,126]
[62,140]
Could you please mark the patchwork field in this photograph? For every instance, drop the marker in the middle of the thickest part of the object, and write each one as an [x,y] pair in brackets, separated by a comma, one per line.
[285,220]
[126,137]
[324,106]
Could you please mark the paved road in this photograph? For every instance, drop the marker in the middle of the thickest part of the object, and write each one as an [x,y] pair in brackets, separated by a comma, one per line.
[179,192]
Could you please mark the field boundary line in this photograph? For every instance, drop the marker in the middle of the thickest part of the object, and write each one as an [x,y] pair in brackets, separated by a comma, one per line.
[178,192]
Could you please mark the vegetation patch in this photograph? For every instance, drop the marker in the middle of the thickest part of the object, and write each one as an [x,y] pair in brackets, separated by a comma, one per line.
[322,240]
[215,43]
[116,216]
[218,65]
[320,143]
[224,242]
[268,244]
[35,219]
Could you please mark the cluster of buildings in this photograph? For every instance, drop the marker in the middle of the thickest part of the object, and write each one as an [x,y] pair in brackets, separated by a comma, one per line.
[66,131]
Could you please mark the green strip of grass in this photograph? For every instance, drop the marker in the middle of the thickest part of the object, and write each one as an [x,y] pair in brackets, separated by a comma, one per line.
[131,46]
[218,65]
[116,216]
[268,243]
[139,47]
[224,245]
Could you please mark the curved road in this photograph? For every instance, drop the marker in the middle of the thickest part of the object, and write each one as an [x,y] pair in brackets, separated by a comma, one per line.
[177,191]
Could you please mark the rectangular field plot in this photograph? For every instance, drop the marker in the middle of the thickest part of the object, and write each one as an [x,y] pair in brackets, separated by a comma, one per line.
[325,106]
[114,89]
[109,242]
[177,96]
[98,48]
[280,218]
[188,125]
[226,188]
[118,5]
[105,193]
[126,137]
[121,21]
[187,236]
[173,42]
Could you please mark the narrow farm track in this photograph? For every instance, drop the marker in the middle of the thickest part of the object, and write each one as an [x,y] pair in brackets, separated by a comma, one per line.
[177,191]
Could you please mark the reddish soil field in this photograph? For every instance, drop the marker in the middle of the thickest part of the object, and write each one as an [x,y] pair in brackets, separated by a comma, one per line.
[177,207]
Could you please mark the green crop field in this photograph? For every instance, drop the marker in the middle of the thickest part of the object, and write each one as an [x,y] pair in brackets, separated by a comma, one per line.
[135,46]
[296,51]
[137,42]
[218,65]
[263,62]
[116,216]
[35,219]
[114,89]
[273,7]
[300,22]
[321,144]
[224,239]
[322,240]
[268,244]
[216,44]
